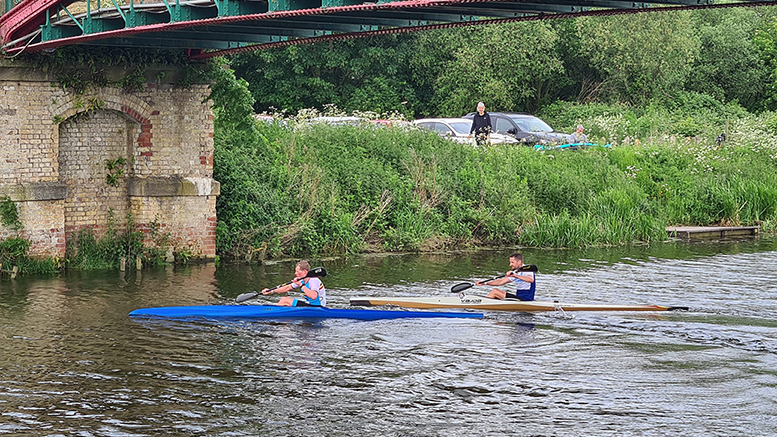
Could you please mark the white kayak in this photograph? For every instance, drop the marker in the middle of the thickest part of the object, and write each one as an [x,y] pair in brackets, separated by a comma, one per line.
[484,303]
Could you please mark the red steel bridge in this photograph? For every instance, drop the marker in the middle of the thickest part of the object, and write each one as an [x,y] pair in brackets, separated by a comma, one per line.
[207,28]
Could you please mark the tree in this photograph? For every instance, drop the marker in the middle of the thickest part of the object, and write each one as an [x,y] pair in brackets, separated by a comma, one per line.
[728,66]
[510,67]
[363,74]
[766,40]
[641,56]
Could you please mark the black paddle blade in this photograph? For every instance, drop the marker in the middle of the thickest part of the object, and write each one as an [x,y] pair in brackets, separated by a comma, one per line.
[318,272]
[246,296]
[458,288]
[528,268]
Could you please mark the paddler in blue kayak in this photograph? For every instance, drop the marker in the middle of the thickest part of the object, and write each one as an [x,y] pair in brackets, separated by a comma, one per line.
[312,288]
[520,276]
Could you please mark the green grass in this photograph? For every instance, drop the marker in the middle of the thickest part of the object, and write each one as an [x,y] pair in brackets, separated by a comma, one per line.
[330,190]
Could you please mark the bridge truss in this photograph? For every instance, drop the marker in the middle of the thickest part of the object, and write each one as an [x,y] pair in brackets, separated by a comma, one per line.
[207,28]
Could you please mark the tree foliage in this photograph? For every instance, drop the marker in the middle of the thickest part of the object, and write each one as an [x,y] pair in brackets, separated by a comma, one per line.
[510,66]
[367,73]
[729,66]
[640,57]
[729,55]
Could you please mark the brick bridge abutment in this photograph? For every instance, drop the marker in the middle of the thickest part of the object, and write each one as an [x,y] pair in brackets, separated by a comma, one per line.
[75,161]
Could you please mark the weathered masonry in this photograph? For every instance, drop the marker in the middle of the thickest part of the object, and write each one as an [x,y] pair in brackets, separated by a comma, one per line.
[69,161]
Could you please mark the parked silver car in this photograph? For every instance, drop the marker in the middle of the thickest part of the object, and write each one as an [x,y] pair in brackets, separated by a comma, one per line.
[457,129]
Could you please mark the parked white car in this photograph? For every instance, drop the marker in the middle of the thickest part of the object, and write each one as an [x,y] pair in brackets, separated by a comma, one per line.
[457,129]
[338,121]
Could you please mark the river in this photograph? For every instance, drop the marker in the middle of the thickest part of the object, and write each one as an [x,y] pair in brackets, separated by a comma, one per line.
[72,363]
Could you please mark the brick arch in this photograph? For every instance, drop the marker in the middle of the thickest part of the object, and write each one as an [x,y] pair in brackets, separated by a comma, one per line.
[129,105]
[74,172]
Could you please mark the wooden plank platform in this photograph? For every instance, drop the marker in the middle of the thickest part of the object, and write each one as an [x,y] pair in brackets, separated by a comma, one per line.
[711,232]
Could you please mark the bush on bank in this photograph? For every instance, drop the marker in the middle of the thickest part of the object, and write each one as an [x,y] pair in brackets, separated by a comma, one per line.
[295,189]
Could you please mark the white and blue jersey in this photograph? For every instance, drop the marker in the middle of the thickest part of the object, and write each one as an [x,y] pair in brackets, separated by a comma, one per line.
[316,285]
[523,290]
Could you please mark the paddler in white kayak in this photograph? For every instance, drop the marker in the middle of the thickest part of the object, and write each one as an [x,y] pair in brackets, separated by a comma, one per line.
[312,288]
[523,279]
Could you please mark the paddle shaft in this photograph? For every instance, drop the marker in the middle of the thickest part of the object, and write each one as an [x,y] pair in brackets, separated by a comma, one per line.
[317,272]
[458,288]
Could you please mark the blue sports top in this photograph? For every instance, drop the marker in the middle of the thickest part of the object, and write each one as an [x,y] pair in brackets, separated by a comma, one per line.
[316,285]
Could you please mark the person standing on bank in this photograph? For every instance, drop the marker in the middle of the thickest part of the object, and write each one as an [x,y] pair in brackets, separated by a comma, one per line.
[523,280]
[312,288]
[481,126]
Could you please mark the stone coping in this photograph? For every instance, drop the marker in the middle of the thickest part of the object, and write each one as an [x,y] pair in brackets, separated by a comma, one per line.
[34,191]
[172,186]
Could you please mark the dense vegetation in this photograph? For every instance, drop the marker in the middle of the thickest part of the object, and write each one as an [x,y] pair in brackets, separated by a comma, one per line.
[658,87]
[293,189]
[727,55]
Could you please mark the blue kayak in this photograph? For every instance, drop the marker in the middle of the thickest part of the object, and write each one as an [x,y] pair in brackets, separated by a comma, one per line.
[280,312]
[570,146]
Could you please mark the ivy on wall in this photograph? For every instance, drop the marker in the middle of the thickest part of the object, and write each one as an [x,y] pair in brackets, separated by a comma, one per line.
[9,213]
[93,64]
[115,171]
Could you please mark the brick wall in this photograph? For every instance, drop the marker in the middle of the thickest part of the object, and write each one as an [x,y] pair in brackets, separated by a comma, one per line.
[54,145]
[85,144]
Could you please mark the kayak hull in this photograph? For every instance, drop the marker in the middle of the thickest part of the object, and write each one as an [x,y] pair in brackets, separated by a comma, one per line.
[483,303]
[244,312]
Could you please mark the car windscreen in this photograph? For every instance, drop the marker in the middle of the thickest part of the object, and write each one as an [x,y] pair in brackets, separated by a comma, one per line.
[461,127]
[532,124]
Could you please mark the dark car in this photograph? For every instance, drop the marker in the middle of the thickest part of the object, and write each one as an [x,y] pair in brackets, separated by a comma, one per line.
[526,128]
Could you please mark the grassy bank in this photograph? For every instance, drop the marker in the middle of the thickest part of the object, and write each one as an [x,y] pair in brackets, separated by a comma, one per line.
[293,190]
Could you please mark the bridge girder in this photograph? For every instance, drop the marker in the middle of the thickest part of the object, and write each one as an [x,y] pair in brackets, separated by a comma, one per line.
[219,25]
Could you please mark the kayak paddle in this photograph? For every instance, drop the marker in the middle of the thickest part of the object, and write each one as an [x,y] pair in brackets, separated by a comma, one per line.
[458,288]
[317,272]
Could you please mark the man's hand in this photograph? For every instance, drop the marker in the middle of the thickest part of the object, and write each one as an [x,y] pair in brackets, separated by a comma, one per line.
[266,291]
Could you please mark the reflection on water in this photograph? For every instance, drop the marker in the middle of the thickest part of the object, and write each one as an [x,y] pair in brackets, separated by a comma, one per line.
[73,363]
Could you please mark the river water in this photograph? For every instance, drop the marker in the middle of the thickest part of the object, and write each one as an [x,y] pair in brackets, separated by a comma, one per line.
[72,363]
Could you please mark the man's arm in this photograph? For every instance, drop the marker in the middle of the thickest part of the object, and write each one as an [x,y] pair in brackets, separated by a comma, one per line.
[495,282]
[524,278]
[310,292]
[279,290]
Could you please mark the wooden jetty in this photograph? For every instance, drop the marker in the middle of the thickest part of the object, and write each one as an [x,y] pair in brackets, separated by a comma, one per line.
[711,232]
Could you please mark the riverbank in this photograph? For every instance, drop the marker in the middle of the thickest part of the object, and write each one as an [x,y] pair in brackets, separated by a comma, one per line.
[292,191]
[320,191]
